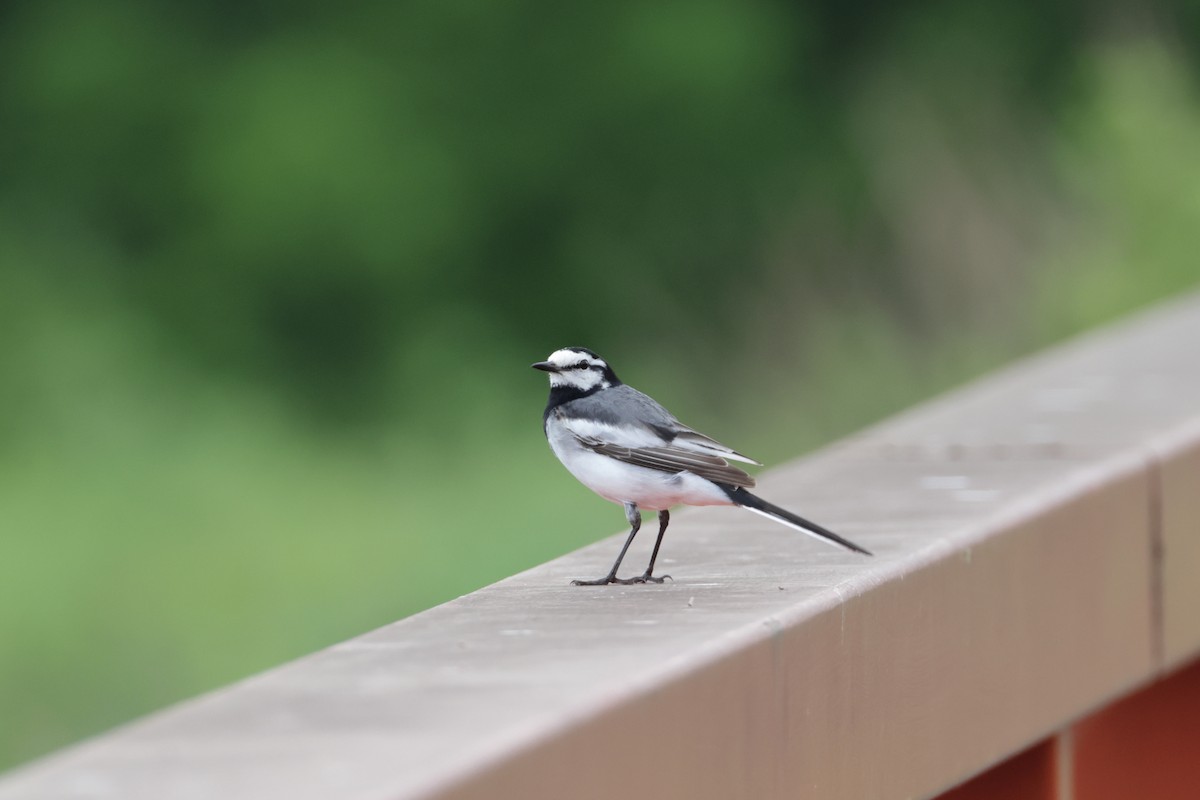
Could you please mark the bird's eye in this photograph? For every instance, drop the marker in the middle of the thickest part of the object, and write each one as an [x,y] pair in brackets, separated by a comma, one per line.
[582,365]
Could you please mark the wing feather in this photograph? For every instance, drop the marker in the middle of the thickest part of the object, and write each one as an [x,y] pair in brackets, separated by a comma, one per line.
[667,458]
[693,439]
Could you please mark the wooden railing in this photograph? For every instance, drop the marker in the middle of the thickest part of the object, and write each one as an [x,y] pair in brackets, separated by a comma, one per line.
[1037,541]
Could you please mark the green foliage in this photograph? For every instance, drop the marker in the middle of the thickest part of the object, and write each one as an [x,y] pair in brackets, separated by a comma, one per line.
[271,275]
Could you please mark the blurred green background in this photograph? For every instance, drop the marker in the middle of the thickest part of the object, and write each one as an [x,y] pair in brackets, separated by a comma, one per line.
[271,276]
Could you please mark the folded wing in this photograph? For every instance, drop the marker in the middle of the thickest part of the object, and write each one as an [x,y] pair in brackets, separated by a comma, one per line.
[690,439]
[668,458]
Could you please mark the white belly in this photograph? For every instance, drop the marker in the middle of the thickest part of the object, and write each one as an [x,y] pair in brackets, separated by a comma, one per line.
[619,482]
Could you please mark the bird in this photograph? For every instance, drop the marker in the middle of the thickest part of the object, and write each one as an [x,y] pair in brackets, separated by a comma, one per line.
[627,448]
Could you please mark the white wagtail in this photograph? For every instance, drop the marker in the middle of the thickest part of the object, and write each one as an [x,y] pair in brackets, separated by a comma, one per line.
[627,448]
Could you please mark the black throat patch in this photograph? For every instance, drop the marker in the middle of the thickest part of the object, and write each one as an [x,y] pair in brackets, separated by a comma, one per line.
[565,394]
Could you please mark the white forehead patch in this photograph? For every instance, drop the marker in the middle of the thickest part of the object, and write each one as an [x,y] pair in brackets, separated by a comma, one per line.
[565,358]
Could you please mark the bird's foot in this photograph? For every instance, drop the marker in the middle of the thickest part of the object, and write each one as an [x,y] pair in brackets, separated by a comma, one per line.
[607,579]
[612,578]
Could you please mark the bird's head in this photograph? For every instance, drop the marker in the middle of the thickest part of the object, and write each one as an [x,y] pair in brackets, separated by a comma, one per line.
[577,368]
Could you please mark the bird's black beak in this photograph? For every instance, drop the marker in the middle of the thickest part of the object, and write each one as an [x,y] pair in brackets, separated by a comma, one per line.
[545,366]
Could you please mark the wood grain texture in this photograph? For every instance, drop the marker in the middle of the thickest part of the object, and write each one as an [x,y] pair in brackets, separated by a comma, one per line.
[1013,589]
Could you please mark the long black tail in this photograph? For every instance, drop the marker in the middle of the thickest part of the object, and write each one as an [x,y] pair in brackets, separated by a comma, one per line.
[754,503]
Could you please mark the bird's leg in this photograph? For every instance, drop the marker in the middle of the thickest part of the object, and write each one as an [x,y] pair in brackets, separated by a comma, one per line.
[664,517]
[635,521]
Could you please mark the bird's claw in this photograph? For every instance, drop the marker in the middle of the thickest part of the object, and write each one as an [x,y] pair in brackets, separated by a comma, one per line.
[607,579]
